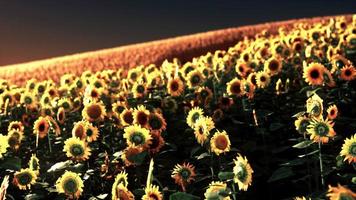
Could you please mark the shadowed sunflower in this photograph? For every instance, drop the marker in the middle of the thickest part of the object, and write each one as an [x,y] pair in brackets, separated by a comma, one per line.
[252,78]
[129,154]
[175,87]
[234,88]
[202,128]
[15,125]
[204,95]
[120,192]
[242,69]
[24,178]
[41,127]
[242,172]
[248,88]
[94,111]
[65,103]
[340,193]
[349,149]
[139,89]
[61,115]
[135,135]
[28,100]
[220,142]
[332,112]
[140,115]
[301,124]
[120,179]
[194,115]
[127,116]
[14,138]
[348,73]
[157,142]
[152,193]
[76,149]
[194,78]
[183,174]
[156,122]
[321,130]
[262,79]
[119,107]
[92,132]
[313,74]
[70,184]
[34,163]
[4,144]
[216,190]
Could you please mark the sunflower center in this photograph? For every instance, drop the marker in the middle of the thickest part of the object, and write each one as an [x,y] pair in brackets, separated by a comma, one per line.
[94,111]
[316,110]
[137,138]
[153,197]
[195,79]
[79,131]
[70,186]
[339,63]
[41,89]
[155,123]
[314,74]
[77,150]
[195,116]
[89,132]
[221,142]
[174,86]
[322,129]
[140,89]
[41,127]
[204,94]
[13,141]
[235,88]
[263,79]
[154,142]
[128,118]
[241,69]
[348,72]
[185,173]
[24,178]
[303,126]
[65,105]
[28,100]
[142,118]
[352,149]
[241,173]
[273,66]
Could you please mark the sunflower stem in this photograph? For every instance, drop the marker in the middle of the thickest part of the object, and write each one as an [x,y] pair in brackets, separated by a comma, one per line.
[234,191]
[49,143]
[321,166]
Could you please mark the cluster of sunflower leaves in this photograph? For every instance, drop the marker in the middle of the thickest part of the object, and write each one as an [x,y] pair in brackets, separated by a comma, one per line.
[273,116]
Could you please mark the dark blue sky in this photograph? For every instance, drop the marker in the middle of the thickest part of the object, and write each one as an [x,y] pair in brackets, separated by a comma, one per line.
[31,29]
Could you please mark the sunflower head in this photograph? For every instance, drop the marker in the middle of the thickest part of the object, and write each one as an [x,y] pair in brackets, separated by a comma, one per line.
[152,192]
[314,106]
[120,192]
[220,142]
[41,127]
[76,149]
[139,89]
[301,124]
[157,142]
[80,130]
[349,149]
[348,73]
[15,125]
[94,111]
[24,178]
[92,132]
[140,115]
[194,115]
[202,128]
[340,193]
[70,184]
[175,87]
[217,190]
[127,116]
[135,135]
[156,122]
[194,78]
[61,115]
[14,138]
[262,79]
[183,174]
[313,74]
[332,112]
[273,66]
[242,172]
[234,88]
[321,130]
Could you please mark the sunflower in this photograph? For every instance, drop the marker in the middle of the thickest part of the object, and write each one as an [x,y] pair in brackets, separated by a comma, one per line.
[348,73]
[202,129]
[28,100]
[313,74]
[140,115]
[34,163]
[349,149]
[79,130]
[328,78]
[156,122]
[157,142]
[93,93]
[242,69]
[262,79]
[194,78]
[120,192]
[61,115]
[41,127]
[135,135]
[234,88]
[24,178]
[65,103]
[183,174]
[204,95]
[273,66]
[130,153]
[314,106]
[301,124]
[92,132]
[76,149]
[139,89]
[225,102]
[70,184]
[121,178]
[332,112]
[15,125]
[194,115]
[14,138]
[152,193]
[242,172]
[216,190]
[127,116]
[218,114]
[340,193]
[94,111]
[248,88]
[4,144]
[338,62]
[170,104]
[220,142]
[119,107]
[321,130]
[175,87]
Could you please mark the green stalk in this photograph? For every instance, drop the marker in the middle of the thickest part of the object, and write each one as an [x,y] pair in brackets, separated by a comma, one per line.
[321,166]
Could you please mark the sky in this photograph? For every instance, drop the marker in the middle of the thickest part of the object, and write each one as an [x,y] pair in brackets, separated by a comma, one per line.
[33,29]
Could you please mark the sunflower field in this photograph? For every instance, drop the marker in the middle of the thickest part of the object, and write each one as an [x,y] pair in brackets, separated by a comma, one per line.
[272,117]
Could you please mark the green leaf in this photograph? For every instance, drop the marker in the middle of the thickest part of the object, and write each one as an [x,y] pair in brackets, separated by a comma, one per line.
[281,173]
[203,155]
[303,144]
[182,196]
[139,158]
[308,154]
[60,166]
[226,176]
[11,163]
